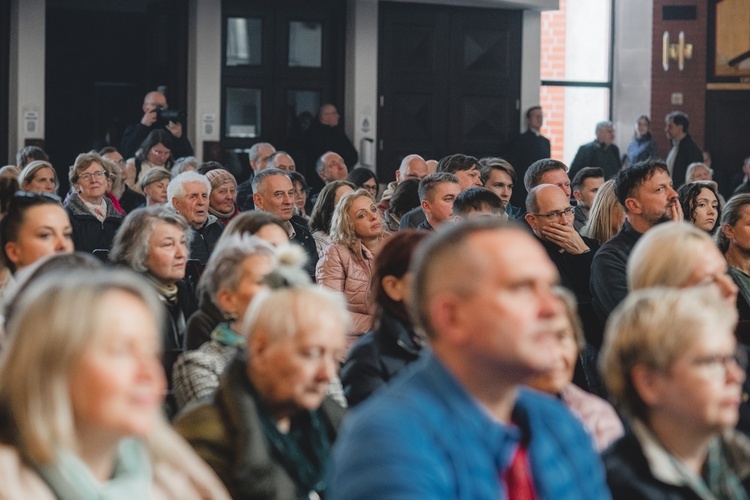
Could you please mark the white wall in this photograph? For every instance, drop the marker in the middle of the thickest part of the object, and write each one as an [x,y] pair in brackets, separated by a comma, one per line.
[204,74]
[631,93]
[26,72]
[531,38]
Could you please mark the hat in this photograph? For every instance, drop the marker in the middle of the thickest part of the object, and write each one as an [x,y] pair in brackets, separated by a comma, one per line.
[32,168]
[155,174]
[219,176]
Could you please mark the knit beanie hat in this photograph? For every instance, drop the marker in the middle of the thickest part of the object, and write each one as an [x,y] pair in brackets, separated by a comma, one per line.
[218,177]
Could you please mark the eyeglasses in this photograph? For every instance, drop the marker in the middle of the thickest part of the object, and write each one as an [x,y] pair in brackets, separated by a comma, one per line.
[160,153]
[371,188]
[96,175]
[718,364]
[556,214]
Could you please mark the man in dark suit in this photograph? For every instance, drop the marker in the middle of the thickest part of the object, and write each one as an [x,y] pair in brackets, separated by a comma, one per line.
[525,150]
[601,152]
[684,150]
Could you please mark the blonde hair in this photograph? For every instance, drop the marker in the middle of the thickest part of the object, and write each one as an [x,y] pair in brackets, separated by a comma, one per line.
[667,255]
[342,227]
[56,319]
[285,311]
[652,328]
[604,211]
[27,174]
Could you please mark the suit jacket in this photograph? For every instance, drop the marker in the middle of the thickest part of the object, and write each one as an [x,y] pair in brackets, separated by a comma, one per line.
[587,157]
[525,150]
[688,153]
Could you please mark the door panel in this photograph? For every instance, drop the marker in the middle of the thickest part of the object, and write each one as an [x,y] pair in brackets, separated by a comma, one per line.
[449,81]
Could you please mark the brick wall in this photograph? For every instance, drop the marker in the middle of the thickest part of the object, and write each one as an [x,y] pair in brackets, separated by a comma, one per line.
[552,99]
[691,82]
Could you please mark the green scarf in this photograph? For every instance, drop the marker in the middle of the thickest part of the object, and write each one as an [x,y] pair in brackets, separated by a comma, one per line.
[223,334]
[70,479]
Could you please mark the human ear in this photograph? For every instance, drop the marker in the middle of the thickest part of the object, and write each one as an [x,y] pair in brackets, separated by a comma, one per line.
[393,287]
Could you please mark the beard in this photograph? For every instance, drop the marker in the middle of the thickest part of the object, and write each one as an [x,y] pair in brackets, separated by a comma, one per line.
[655,218]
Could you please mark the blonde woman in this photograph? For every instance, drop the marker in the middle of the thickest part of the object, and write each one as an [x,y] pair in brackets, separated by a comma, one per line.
[89,425]
[346,264]
[38,177]
[671,363]
[606,216]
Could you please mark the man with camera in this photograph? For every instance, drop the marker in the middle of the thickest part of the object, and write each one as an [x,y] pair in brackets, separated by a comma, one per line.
[156,114]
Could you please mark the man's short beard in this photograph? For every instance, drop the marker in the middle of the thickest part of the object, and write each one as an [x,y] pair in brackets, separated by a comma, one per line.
[656,219]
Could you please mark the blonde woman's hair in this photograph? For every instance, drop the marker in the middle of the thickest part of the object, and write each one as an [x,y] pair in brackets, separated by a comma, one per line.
[599,225]
[667,255]
[286,311]
[342,227]
[56,320]
[27,174]
[652,328]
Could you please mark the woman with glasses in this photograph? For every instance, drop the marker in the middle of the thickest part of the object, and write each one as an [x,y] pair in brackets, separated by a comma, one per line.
[346,264]
[92,215]
[36,226]
[364,178]
[89,425]
[156,151]
[38,177]
[671,363]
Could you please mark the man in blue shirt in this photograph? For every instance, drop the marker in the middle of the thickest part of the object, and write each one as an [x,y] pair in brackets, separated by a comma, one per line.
[457,424]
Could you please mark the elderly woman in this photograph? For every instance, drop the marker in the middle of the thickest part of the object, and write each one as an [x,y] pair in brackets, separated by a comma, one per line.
[222,203]
[269,429]
[188,194]
[89,425]
[234,274]
[154,241]
[154,185]
[598,417]
[346,264]
[671,363]
[733,240]
[265,226]
[606,216]
[700,204]
[381,353]
[155,151]
[38,177]
[36,226]
[322,212]
[93,217]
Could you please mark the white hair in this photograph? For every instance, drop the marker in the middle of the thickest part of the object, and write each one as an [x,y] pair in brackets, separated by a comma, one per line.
[176,187]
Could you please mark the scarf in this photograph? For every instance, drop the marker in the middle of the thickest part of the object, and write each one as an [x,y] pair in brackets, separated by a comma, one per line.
[70,479]
[99,211]
[224,335]
[303,451]
[224,217]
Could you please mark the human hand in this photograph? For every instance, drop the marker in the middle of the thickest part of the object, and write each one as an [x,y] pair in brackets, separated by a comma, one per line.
[175,129]
[149,117]
[566,237]
[675,211]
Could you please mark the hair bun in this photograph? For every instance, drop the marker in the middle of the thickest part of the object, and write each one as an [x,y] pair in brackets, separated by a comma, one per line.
[289,272]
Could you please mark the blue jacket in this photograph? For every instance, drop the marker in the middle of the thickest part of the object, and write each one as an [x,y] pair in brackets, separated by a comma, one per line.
[425,437]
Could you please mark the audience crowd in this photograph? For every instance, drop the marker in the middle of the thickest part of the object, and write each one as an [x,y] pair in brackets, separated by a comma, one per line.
[476,328]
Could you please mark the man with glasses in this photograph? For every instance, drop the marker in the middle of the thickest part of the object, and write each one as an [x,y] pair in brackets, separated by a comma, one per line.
[550,217]
[135,134]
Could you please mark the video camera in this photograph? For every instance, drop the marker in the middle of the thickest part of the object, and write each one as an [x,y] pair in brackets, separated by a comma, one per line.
[164,116]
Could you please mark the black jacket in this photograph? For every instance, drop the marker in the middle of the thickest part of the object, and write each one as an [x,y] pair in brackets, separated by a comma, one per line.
[303,237]
[377,357]
[594,155]
[134,136]
[88,233]
[525,150]
[688,153]
[205,239]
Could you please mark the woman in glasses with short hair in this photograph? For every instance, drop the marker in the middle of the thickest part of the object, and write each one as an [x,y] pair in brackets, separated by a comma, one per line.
[155,151]
[92,215]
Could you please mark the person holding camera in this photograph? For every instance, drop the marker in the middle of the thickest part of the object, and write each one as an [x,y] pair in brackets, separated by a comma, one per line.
[156,115]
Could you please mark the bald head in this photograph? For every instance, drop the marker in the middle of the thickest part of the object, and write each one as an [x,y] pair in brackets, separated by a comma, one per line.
[412,167]
[153,100]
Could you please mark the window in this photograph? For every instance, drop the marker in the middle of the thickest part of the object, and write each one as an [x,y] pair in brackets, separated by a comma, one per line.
[576,73]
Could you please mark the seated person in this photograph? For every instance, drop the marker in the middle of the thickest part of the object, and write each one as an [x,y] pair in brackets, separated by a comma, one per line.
[269,429]
[437,192]
[478,201]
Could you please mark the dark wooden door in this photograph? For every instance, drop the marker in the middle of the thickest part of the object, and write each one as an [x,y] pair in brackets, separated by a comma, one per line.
[449,81]
[727,125]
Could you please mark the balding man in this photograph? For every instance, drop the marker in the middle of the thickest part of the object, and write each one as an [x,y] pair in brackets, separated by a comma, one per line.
[459,424]
[601,152]
[412,167]
[283,161]
[134,135]
[550,217]
[274,193]
[258,155]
